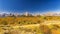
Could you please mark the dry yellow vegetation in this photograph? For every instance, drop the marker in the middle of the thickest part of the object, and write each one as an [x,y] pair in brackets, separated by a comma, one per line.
[29,25]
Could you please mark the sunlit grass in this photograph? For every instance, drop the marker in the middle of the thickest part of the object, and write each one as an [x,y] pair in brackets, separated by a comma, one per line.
[30,25]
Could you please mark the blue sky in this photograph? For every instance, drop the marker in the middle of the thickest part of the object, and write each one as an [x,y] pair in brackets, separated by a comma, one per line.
[29,5]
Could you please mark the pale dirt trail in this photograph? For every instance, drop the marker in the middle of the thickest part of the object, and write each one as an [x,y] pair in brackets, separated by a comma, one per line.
[36,25]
